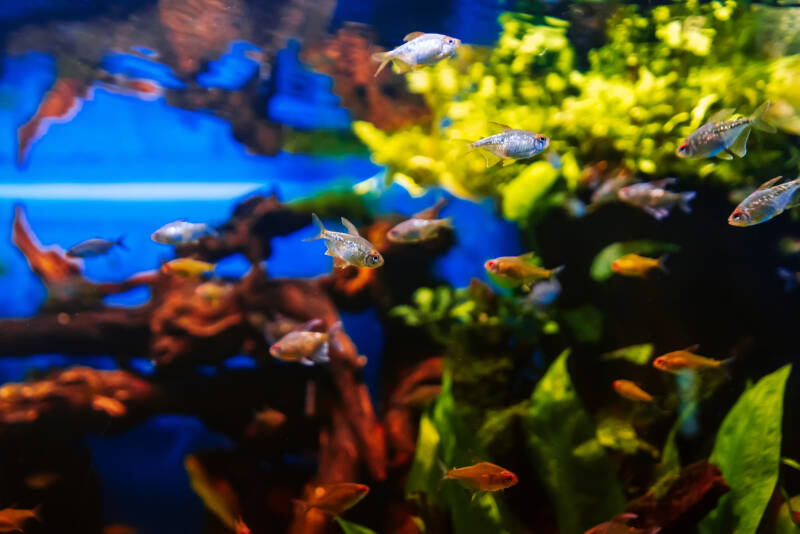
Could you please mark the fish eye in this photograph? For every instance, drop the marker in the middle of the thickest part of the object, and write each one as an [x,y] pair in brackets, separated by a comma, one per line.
[373,259]
[450,41]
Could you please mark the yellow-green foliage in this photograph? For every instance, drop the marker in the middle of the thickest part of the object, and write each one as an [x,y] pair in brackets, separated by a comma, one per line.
[660,75]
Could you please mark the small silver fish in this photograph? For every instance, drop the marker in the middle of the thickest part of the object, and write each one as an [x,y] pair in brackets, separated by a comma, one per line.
[765,202]
[419,49]
[347,248]
[304,347]
[181,232]
[511,145]
[608,190]
[724,138]
[654,199]
[544,293]
[94,247]
[416,230]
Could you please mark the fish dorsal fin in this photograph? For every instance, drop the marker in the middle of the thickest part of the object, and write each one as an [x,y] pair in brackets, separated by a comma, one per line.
[413,35]
[769,183]
[351,228]
[528,257]
[691,348]
[721,115]
[504,127]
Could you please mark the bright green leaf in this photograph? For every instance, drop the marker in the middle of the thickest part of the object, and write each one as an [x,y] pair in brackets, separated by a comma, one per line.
[582,485]
[352,528]
[747,450]
[794,464]
[601,265]
[638,354]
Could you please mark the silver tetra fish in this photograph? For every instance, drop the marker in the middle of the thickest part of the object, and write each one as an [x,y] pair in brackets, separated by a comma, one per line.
[347,248]
[417,230]
[419,49]
[724,138]
[511,145]
[181,232]
[766,202]
[94,247]
[653,198]
[304,347]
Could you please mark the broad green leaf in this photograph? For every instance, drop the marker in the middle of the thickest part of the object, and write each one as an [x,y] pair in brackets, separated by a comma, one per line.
[601,265]
[425,474]
[638,354]
[580,481]
[352,528]
[747,450]
[444,438]
[618,434]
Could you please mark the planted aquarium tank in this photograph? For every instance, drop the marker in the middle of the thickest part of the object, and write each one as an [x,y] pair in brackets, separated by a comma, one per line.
[421,267]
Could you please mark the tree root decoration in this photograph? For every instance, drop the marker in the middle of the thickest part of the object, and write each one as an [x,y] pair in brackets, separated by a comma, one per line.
[67,288]
[254,223]
[684,501]
[76,400]
[400,425]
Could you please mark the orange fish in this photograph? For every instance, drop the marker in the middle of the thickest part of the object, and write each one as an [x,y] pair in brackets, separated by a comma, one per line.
[187,267]
[241,527]
[619,525]
[334,499]
[483,476]
[631,391]
[679,360]
[635,265]
[13,519]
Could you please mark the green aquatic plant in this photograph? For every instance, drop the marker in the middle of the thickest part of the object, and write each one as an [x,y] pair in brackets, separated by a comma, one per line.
[748,452]
[446,440]
[352,528]
[661,73]
[570,463]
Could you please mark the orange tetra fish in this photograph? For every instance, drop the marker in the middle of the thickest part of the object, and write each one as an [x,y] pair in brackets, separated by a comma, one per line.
[483,476]
[636,265]
[334,499]
[680,360]
[631,391]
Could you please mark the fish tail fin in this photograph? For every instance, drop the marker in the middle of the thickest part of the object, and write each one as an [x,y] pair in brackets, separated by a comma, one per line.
[757,119]
[790,282]
[447,222]
[687,197]
[662,263]
[726,366]
[321,354]
[120,242]
[470,148]
[384,58]
[443,468]
[37,513]
[555,271]
[318,222]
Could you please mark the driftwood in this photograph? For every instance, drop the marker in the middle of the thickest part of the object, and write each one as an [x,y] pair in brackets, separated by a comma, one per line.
[189,321]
